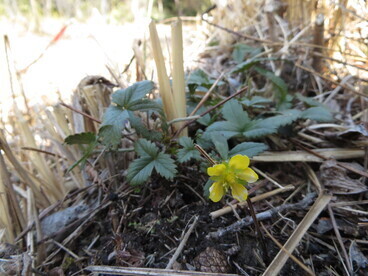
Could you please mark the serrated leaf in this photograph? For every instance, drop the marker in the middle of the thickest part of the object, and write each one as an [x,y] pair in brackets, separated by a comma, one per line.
[81,138]
[221,145]
[233,112]
[112,125]
[257,129]
[256,101]
[165,166]
[145,105]
[320,114]
[140,170]
[227,129]
[142,130]
[286,118]
[188,151]
[249,149]
[238,124]
[125,97]
[146,148]
[200,78]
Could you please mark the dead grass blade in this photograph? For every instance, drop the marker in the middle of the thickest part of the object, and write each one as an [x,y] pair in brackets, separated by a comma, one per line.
[301,156]
[41,199]
[281,258]
[306,269]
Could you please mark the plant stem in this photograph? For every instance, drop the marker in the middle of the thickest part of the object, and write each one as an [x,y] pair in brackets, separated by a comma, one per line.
[258,229]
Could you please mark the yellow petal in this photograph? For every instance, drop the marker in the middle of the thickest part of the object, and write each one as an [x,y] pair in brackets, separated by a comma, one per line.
[216,192]
[239,192]
[248,175]
[216,170]
[239,162]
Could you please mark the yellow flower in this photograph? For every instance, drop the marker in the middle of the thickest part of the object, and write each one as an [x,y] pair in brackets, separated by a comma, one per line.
[234,174]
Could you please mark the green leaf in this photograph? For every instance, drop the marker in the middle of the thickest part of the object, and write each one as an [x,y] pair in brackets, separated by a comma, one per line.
[188,151]
[126,97]
[246,65]
[308,100]
[150,158]
[320,114]
[142,130]
[221,145]
[278,82]
[238,124]
[200,78]
[249,149]
[286,118]
[165,166]
[241,51]
[256,102]
[145,148]
[206,188]
[81,138]
[140,170]
[113,123]
[233,112]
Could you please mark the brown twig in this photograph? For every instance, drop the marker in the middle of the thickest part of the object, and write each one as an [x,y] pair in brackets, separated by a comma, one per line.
[180,248]
[44,151]
[209,110]
[81,112]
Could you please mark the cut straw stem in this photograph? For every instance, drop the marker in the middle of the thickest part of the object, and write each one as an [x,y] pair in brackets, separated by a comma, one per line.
[178,72]
[163,79]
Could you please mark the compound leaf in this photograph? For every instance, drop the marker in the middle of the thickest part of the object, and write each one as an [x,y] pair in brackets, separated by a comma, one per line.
[128,96]
[318,113]
[249,149]
[188,151]
[150,158]
[112,125]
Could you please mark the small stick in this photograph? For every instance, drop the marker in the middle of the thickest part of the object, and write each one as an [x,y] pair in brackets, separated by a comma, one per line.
[81,112]
[208,93]
[176,134]
[337,233]
[45,152]
[205,154]
[182,244]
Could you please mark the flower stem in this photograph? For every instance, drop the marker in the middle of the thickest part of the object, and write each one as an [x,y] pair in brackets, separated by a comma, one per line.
[258,228]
